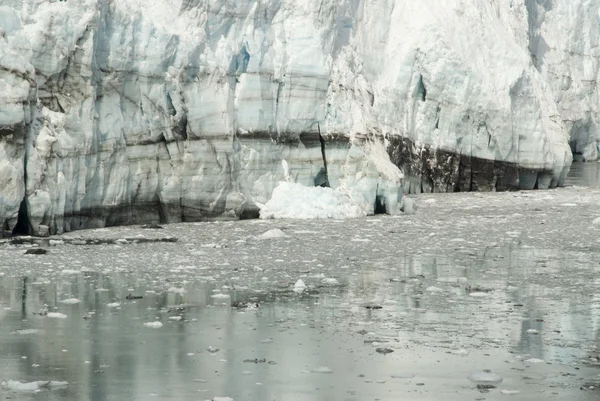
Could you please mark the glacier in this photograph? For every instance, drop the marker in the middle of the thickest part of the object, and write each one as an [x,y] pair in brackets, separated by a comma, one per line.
[121,112]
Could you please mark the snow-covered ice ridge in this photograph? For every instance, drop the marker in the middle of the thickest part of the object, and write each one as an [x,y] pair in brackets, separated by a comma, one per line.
[114,112]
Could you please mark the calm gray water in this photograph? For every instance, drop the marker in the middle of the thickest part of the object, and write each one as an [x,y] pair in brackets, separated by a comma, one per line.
[530,315]
[584,174]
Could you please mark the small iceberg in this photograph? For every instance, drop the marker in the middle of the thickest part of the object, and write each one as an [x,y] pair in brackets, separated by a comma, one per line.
[33,387]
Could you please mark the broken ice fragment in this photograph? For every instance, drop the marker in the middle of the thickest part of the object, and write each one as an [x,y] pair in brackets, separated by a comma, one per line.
[153,325]
[322,369]
[485,377]
[299,287]
[70,301]
[56,315]
[272,234]
[35,386]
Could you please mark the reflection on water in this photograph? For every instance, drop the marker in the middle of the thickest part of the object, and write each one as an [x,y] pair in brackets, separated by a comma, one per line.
[530,315]
[584,174]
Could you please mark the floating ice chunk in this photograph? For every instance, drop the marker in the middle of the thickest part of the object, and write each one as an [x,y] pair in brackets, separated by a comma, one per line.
[535,360]
[434,289]
[485,377]
[177,318]
[222,399]
[153,325]
[461,351]
[511,288]
[56,315]
[113,305]
[296,201]
[220,296]
[322,369]
[330,281]
[266,341]
[478,294]
[596,221]
[272,234]
[176,290]
[533,331]
[70,301]
[299,287]
[510,392]
[13,385]
[55,242]
[28,331]
[212,349]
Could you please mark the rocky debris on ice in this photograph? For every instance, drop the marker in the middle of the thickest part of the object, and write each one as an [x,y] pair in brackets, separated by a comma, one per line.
[36,251]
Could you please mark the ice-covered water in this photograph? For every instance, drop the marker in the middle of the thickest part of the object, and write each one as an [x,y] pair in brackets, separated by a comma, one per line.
[234,325]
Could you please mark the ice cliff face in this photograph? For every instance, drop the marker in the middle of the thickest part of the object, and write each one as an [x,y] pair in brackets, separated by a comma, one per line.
[115,112]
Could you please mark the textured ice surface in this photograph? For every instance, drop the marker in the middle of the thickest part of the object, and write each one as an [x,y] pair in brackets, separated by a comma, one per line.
[539,271]
[133,111]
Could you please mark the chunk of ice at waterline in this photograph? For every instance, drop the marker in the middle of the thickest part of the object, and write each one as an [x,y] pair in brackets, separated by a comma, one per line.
[153,325]
[299,287]
[222,399]
[485,377]
[272,234]
[220,296]
[295,201]
[322,369]
[70,301]
[17,386]
[56,315]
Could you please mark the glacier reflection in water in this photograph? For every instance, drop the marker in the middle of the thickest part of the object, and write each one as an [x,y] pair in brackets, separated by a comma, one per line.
[530,315]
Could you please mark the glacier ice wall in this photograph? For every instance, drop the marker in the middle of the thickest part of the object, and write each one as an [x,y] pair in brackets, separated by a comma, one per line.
[565,48]
[115,112]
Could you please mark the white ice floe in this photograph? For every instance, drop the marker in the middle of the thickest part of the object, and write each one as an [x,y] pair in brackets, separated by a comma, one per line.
[296,201]
[32,387]
[485,377]
[273,234]
[220,296]
[153,325]
[56,315]
[322,369]
[299,287]
[70,301]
